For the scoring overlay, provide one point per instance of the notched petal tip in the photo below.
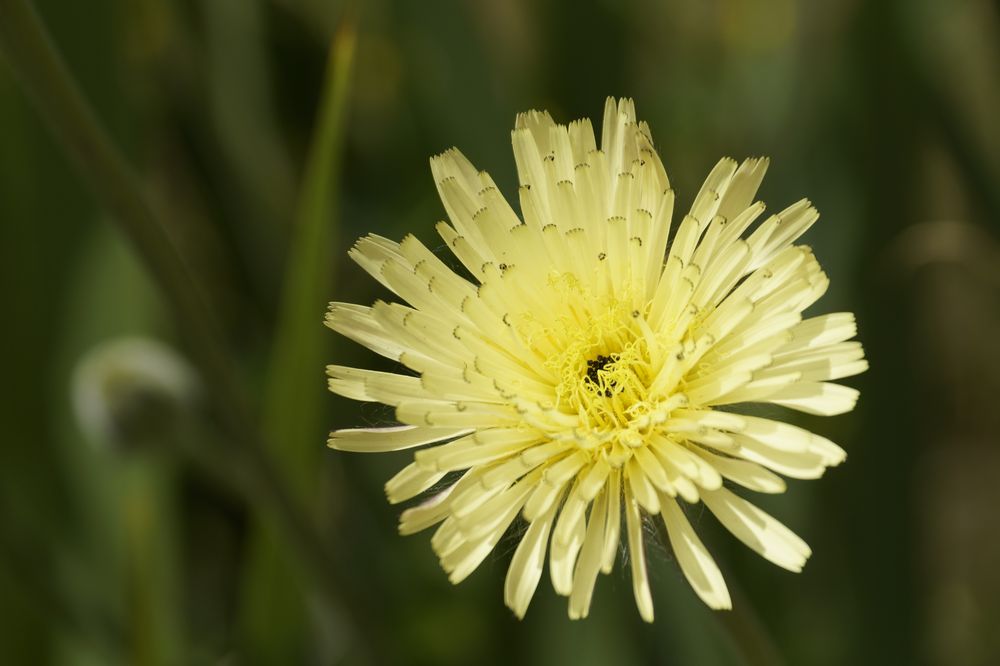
(444, 154)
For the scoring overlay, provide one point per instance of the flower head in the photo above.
(585, 367)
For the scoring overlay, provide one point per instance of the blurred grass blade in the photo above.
(274, 623)
(44, 76)
(295, 395)
(25, 43)
(241, 103)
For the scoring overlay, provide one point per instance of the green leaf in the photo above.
(296, 379)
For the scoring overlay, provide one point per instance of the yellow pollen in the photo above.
(604, 363)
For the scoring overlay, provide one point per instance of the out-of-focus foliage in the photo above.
(883, 113)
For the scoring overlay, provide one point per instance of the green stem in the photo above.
(968, 153)
(33, 58)
(747, 632)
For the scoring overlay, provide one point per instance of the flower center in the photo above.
(607, 387)
(605, 371)
(606, 361)
(598, 376)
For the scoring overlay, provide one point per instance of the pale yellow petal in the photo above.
(745, 473)
(526, 566)
(612, 524)
(589, 563)
(392, 438)
(637, 557)
(758, 530)
(698, 566)
(410, 482)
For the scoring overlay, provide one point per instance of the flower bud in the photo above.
(132, 393)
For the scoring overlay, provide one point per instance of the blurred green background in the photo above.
(143, 525)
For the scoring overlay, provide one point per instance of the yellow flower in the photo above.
(584, 366)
